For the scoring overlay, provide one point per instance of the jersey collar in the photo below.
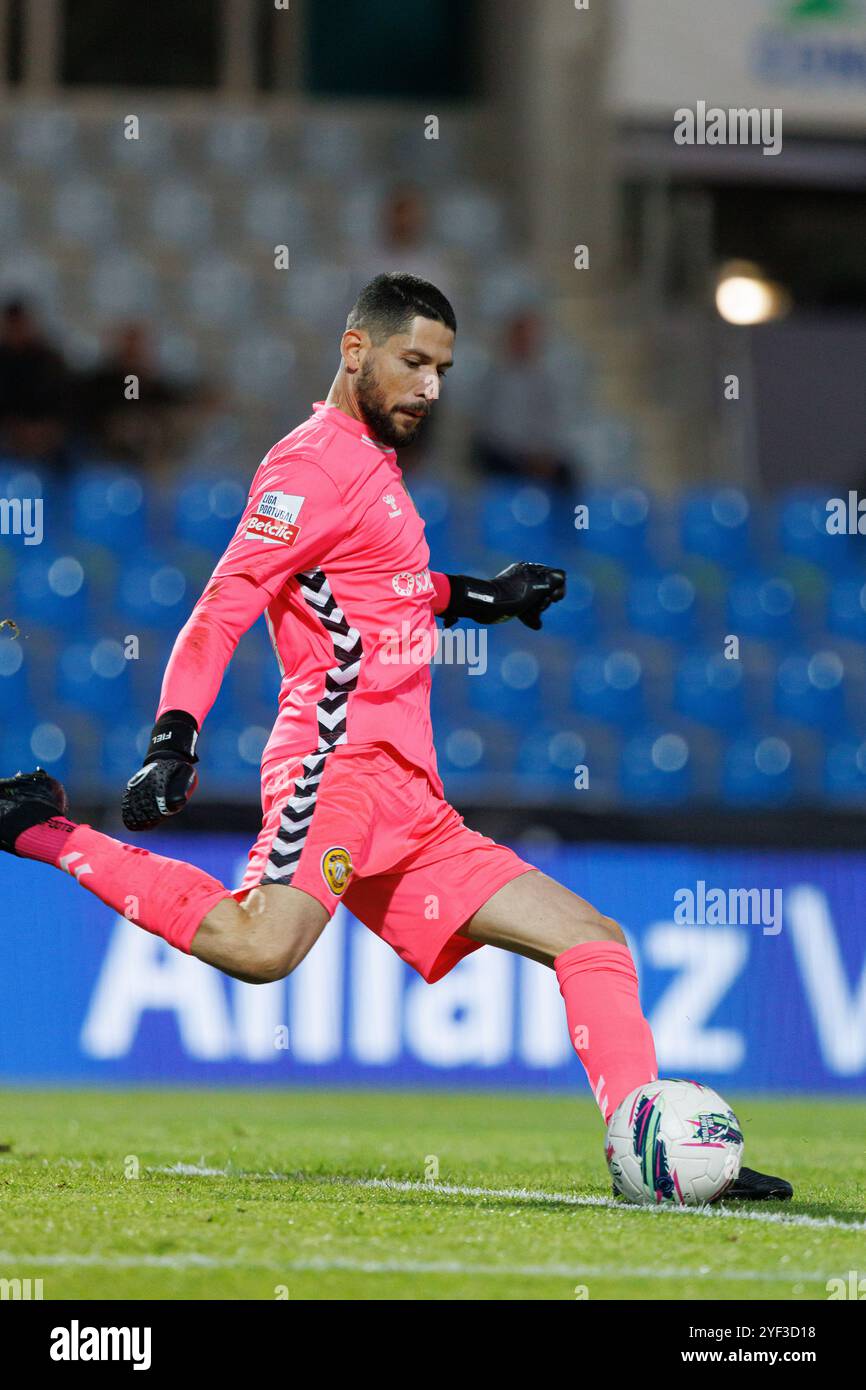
(349, 423)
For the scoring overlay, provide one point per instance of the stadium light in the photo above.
(744, 295)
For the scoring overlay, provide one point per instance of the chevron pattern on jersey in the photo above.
(332, 712)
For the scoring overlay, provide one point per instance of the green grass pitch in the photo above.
(334, 1195)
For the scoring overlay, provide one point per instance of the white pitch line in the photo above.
(522, 1194)
(191, 1260)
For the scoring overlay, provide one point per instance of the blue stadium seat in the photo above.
(51, 590)
(758, 771)
(234, 754)
(802, 531)
(810, 687)
(31, 743)
(152, 592)
(711, 690)
(470, 752)
(109, 507)
(122, 747)
(94, 678)
(207, 511)
(656, 768)
(509, 689)
(516, 520)
(845, 771)
(846, 608)
(547, 756)
(764, 606)
(14, 682)
(617, 524)
(664, 605)
(609, 685)
(581, 613)
(716, 524)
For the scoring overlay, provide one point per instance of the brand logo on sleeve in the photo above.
(274, 521)
(337, 868)
(405, 583)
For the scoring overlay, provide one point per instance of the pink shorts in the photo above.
(361, 825)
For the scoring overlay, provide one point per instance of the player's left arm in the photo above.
(523, 590)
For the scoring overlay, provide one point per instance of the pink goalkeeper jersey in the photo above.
(331, 549)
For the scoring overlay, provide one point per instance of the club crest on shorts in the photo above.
(337, 868)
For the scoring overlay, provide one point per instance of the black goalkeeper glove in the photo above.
(523, 591)
(168, 778)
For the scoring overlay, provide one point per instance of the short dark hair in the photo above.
(390, 302)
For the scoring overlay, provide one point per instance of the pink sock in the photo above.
(165, 896)
(609, 1033)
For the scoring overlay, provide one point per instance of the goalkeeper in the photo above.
(331, 549)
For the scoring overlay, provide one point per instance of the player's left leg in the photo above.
(538, 917)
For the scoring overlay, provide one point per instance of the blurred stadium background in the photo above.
(193, 194)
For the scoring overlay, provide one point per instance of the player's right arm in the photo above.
(293, 516)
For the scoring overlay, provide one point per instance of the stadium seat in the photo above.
(108, 507)
(802, 531)
(94, 678)
(152, 592)
(509, 689)
(207, 510)
(758, 771)
(181, 214)
(810, 687)
(261, 366)
(220, 290)
(122, 747)
(238, 143)
(123, 284)
(84, 212)
(10, 214)
(52, 590)
(14, 681)
(609, 685)
(147, 148)
(29, 743)
(516, 520)
(45, 138)
(764, 606)
(716, 524)
(846, 608)
(617, 524)
(711, 689)
(845, 771)
(656, 768)
(664, 605)
(274, 215)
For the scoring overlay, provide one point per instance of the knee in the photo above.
(266, 957)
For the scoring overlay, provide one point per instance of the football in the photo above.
(673, 1142)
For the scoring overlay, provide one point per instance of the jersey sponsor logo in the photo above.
(271, 532)
(337, 868)
(391, 503)
(274, 520)
(405, 583)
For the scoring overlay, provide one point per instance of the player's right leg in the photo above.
(257, 936)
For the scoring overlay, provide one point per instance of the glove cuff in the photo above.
(470, 598)
(174, 735)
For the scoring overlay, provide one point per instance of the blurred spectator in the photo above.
(34, 388)
(404, 241)
(521, 417)
(126, 406)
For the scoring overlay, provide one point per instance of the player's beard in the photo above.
(384, 424)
